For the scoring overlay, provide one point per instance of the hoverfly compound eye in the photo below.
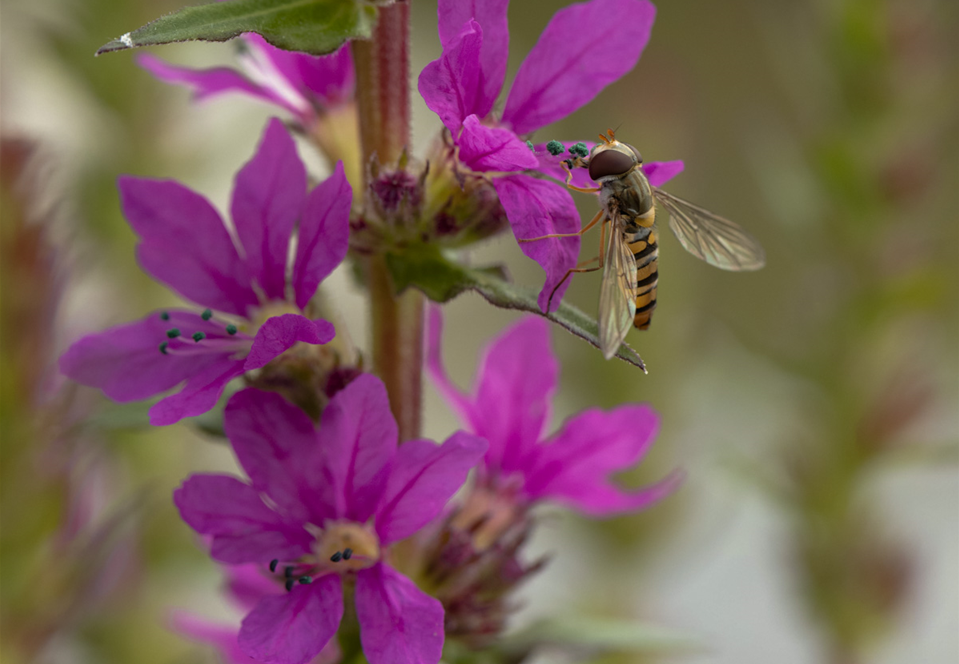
(610, 162)
(639, 157)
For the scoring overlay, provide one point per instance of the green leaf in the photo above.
(441, 279)
(313, 26)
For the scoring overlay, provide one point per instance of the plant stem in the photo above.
(383, 94)
(383, 85)
(397, 322)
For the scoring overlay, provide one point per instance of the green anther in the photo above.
(555, 148)
(231, 329)
(173, 333)
(163, 347)
(529, 144)
(305, 580)
(197, 336)
(206, 315)
(579, 150)
(164, 316)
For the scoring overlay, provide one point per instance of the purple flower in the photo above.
(185, 244)
(569, 65)
(510, 407)
(325, 503)
(305, 85)
(246, 586)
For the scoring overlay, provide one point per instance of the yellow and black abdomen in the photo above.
(643, 244)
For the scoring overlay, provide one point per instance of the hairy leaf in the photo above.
(312, 26)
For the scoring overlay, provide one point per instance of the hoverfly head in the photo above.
(612, 160)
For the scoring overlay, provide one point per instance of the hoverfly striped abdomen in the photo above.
(630, 196)
(641, 239)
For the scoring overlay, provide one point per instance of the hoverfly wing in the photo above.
(616, 304)
(708, 236)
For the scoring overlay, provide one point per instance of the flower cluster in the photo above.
(510, 407)
(339, 495)
(341, 533)
(260, 313)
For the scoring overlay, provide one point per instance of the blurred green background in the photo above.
(813, 404)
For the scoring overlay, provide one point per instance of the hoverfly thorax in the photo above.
(617, 167)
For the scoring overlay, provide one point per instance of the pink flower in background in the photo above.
(510, 406)
(302, 84)
(569, 65)
(186, 245)
(324, 503)
(246, 586)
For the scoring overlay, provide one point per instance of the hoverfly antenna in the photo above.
(604, 139)
(612, 134)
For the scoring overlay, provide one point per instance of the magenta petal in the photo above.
(279, 333)
(512, 403)
(221, 637)
(358, 438)
(452, 86)
(535, 208)
(246, 584)
(185, 244)
(126, 363)
(207, 83)
(572, 60)
(244, 529)
(574, 468)
(458, 401)
(267, 199)
(485, 148)
(294, 627)
(324, 234)
(660, 172)
(200, 394)
(399, 623)
(605, 499)
(494, 51)
(626, 433)
(329, 79)
(424, 477)
(276, 444)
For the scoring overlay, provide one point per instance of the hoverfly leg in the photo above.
(579, 266)
(569, 181)
(577, 269)
(599, 215)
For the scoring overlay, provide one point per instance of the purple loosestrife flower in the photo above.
(185, 244)
(510, 407)
(246, 585)
(567, 68)
(325, 503)
(302, 84)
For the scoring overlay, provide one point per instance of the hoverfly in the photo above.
(630, 250)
